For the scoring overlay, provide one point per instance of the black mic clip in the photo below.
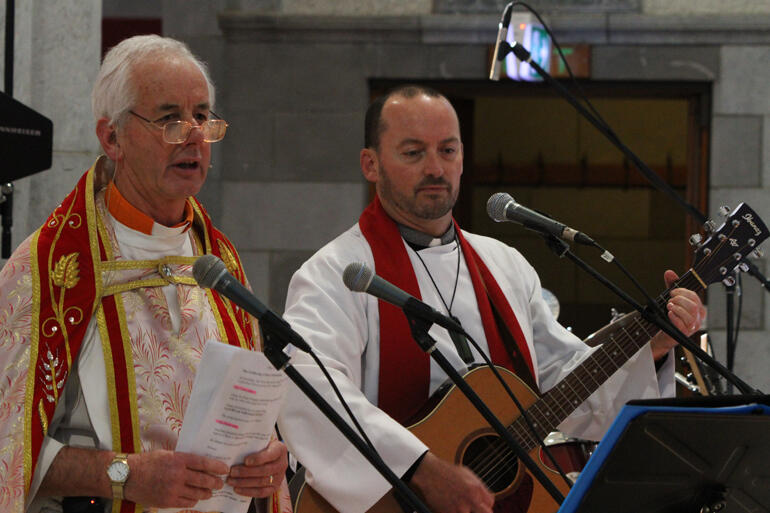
(555, 244)
(419, 328)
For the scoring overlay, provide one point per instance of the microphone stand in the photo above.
(419, 328)
(524, 56)
(729, 326)
(650, 314)
(273, 350)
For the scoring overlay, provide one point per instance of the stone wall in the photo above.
(56, 59)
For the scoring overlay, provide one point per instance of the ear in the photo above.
(370, 166)
(108, 137)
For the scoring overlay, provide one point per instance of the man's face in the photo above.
(419, 162)
(153, 175)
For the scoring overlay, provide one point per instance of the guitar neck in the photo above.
(619, 342)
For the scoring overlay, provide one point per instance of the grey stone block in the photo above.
(134, 9)
(248, 148)
(465, 6)
(318, 147)
(256, 265)
(765, 155)
(751, 356)
(294, 78)
(289, 216)
(283, 264)
(458, 61)
(742, 87)
(403, 61)
(192, 17)
(621, 62)
(713, 29)
(736, 151)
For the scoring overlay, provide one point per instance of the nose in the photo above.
(196, 134)
(433, 164)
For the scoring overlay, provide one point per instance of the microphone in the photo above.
(502, 32)
(359, 278)
(502, 207)
(210, 273)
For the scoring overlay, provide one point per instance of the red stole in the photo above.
(66, 257)
(404, 377)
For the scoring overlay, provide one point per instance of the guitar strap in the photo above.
(404, 377)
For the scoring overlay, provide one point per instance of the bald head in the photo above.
(374, 125)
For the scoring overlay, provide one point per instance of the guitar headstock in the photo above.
(730, 244)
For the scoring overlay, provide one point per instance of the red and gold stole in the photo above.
(68, 255)
(404, 368)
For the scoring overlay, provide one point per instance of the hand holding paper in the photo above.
(232, 410)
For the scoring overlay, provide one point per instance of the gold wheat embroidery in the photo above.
(66, 272)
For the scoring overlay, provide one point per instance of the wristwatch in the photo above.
(118, 472)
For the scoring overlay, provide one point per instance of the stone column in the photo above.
(57, 55)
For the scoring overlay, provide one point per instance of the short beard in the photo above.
(429, 210)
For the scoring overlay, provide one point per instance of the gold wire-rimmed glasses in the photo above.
(177, 132)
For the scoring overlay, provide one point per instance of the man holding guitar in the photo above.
(414, 155)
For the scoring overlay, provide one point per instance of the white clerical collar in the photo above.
(419, 240)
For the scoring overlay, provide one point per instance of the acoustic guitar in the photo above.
(455, 431)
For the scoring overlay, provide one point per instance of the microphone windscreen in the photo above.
(207, 270)
(496, 205)
(357, 276)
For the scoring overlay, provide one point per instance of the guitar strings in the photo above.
(497, 456)
(492, 466)
(503, 461)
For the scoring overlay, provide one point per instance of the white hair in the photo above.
(114, 92)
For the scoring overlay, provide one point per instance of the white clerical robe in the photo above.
(343, 328)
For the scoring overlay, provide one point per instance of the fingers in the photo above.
(170, 479)
(275, 450)
(203, 464)
(262, 472)
(685, 310)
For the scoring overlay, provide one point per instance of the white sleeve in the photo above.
(48, 451)
(334, 321)
(559, 352)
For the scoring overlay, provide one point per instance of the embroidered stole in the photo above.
(404, 378)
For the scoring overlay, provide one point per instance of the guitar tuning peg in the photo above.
(724, 210)
(695, 239)
(729, 281)
(710, 226)
(757, 253)
(744, 267)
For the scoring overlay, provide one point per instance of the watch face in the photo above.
(118, 471)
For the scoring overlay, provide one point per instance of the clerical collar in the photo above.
(130, 216)
(419, 240)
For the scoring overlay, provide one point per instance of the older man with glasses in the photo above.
(101, 323)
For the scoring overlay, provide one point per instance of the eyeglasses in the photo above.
(177, 132)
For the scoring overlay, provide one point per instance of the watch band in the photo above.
(117, 486)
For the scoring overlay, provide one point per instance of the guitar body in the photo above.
(456, 432)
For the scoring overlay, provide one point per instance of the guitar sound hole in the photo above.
(492, 461)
